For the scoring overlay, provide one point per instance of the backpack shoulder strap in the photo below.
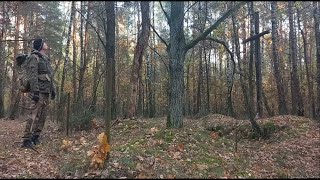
(38, 55)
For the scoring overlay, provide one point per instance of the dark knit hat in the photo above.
(38, 44)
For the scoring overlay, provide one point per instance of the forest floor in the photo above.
(144, 148)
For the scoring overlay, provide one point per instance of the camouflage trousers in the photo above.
(36, 114)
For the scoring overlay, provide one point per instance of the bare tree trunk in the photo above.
(297, 101)
(307, 61)
(316, 16)
(254, 124)
(62, 99)
(82, 60)
(110, 58)
(96, 79)
(15, 94)
(199, 102)
(250, 90)
(2, 63)
(266, 104)
(282, 105)
(177, 51)
(258, 67)
(74, 60)
(137, 59)
(152, 100)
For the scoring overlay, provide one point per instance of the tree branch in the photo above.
(159, 36)
(159, 56)
(16, 40)
(227, 48)
(165, 13)
(93, 27)
(190, 7)
(203, 35)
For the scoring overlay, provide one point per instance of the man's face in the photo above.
(45, 46)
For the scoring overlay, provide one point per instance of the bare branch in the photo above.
(227, 48)
(165, 13)
(16, 40)
(93, 27)
(203, 35)
(159, 56)
(159, 36)
(190, 7)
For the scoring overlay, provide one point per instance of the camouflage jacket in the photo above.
(40, 73)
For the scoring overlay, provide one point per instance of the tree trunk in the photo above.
(177, 54)
(82, 60)
(199, 96)
(177, 50)
(241, 61)
(297, 101)
(307, 61)
(316, 15)
(245, 92)
(67, 48)
(137, 59)
(258, 67)
(15, 93)
(96, 79)
(282, 105)
(266, 104)
(250, 90)
(2, 64)
(110, 58)
(74, 61)
(62, 96)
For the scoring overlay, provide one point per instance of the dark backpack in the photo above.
(23, 79)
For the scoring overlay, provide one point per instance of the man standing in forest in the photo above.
(41, 87)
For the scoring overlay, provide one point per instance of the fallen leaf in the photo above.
(180, 147)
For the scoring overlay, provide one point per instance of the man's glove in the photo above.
(35, 96)
(53, 94)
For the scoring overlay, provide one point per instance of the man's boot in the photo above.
(27, 143)
(35, 139)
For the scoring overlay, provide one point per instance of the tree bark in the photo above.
(316, 16)
(258, 67)
(282, 105)
(74, 61)
(15, 93)
(2, 64)
(297, 101)
(250, 90)
(110, 58)
(245, 91)
(307, 61)
(62, 96)
(142, 43)
(177, 50)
